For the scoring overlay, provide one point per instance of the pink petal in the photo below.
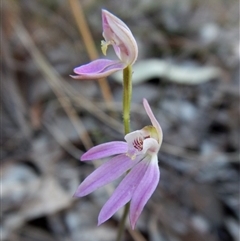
(106, 173)
(123, 193)
(98, 68)
(153, 120)
(105, 150)
(144, 190)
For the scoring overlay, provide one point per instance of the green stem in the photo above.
(122, 222)
(127, 96)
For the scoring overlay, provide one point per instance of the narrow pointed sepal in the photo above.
(105, 150)
(96, 69)
(144, 190)
(124, 192)
(153, 120)
(105, 174)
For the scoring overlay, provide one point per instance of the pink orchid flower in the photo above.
(138, 157)
(117, 34)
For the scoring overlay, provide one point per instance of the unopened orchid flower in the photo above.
(117, 34)
(138, 158)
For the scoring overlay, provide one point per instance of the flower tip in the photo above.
(76, 194)
(145, 102)
(133, 223)
(104, 15)
(106, 12)
(80, 192)
(84, 157)
(133, 226)
(75, 76)
(147, 106)
(100, 220)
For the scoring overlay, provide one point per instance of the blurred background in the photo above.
(188, 69)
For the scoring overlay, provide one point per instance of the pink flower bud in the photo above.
(117, 34)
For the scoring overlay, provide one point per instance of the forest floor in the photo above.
(188, 69)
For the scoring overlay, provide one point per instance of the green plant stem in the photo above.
(127, 96)
(122, 222)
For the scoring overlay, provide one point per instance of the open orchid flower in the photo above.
(117, 34)
(138, 156)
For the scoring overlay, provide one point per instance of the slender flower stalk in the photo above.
(127, 96)
(117, 34)
(138, 157)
